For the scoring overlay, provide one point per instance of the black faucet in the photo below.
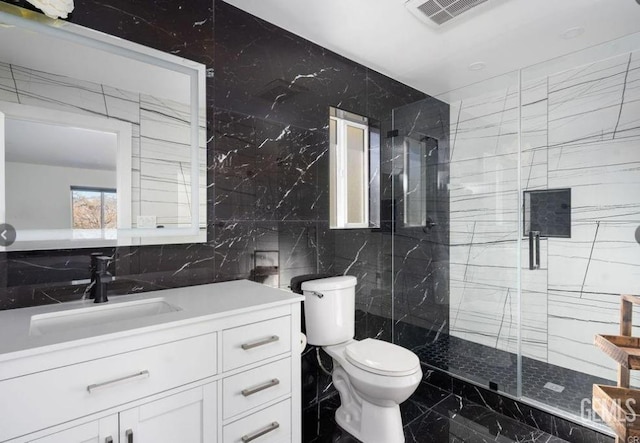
(100, 278)
(93, 268)
(94, 264)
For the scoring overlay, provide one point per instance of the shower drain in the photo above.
(553, 387)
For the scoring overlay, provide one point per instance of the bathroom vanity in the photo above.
(210, 363)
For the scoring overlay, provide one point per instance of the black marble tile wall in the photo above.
(421, 252)
(267, 151)
(267, 112)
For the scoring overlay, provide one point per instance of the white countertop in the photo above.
(196, 303)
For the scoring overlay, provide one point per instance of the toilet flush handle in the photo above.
(317, 294)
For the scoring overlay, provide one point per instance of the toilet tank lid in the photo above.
(329, 284)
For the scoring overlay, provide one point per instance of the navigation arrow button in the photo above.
(7, 234)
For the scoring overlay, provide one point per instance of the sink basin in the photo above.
(98, 315)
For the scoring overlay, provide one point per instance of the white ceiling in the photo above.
(505, 35)
(53, 145)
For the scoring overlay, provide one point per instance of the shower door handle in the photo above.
(534, 250)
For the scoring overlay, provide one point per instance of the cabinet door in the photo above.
(99, 431)
(187, 417)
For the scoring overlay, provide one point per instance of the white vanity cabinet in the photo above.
(223, 367)
(188, 416)
(97, 431)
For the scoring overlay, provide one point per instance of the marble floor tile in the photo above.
(433, 416)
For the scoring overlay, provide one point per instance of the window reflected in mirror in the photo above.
(93, 208)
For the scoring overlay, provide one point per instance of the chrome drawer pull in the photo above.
(262, 342)
(250, 437)
(129, 435)
(98, 386)
(250, 391)
(109, 439)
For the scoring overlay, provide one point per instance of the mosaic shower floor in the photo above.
(551, 385)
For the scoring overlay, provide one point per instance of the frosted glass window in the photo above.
(349, 170)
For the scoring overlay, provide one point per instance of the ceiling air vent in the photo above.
(438, 12)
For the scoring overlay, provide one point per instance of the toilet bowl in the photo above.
(371, 376)
(371, 390)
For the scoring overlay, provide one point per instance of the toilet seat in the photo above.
(382, 358)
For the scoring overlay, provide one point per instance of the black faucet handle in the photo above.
(102, 263)
(94, 261)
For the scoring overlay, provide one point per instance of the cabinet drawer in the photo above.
(255, 387)
(251, 343)
(273, 423)
(47, 398)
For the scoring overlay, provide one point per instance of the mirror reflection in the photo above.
(104, 140)
(80, 189)
(415, 179)
(61, 176)
(414, 183)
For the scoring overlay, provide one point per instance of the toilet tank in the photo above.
(329, 310)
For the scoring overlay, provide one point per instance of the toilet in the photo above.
(372, 376)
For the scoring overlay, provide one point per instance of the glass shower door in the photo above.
(472, 318)
(580, 180)
(484, 302)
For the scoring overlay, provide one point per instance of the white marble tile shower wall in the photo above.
(165, 160)
(580, 130)
(594, 131)
(160, 145)
(534, 176)
(484, 219)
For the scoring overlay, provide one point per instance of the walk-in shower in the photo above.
(534, 183)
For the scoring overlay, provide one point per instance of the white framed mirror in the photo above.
(104, 140)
